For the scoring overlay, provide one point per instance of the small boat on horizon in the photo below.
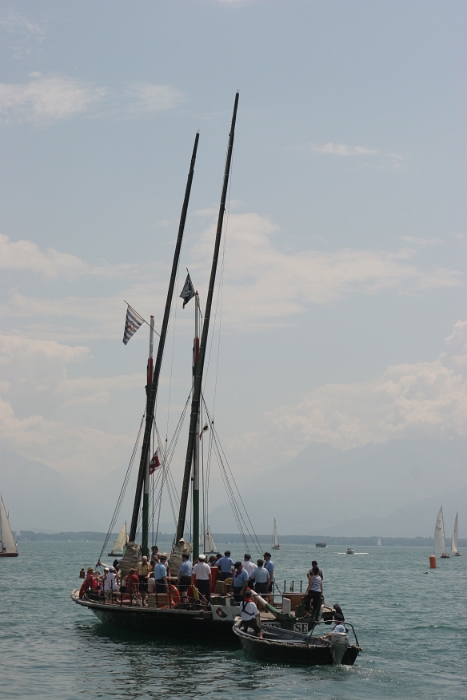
(275, 539)
(320, 544)
(455, 538)
(349, 550)
(8, 546)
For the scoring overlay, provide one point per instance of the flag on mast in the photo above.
(132, 322)
(155, 462)
(188, 291)
(206, 427)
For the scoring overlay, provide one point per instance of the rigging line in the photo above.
(174, 304)
(220, 287)
(221, 451)
(122, 490)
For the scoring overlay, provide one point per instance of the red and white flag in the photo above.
(155, 462)
(206, 427)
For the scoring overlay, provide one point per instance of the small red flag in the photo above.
(155, 462)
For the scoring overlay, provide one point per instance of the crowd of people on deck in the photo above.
(155, 576)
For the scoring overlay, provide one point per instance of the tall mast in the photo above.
(196, 399)
(145, 523)
(196, 443)
(151, 389)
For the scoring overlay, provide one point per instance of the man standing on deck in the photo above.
(160, 574)
(261, 578)
(143, 569)
(202, 572)
(184, 575)
(249, 567)
(269, 565)
(225, 566)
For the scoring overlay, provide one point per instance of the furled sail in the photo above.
(120, 543)
(440, 540)
(455, 536)
(209, 544)
(7, 541)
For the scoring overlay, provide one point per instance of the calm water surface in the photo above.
(411, 625)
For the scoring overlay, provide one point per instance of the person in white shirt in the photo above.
(338, 627)
(202, 572)
(249, 612)
(248, 565)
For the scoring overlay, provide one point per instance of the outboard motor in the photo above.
(339, 643)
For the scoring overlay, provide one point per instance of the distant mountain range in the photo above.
(389, 490)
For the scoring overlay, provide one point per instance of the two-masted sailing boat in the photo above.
(187, 621)
(439, 544)
(8, 546)
(275, 539)
(455, 538)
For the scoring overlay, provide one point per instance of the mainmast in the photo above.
(196, 399)
(151, 389)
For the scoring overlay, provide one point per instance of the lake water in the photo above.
(412, 627)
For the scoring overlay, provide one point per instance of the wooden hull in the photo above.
(189, 625)
(8, 554)
(317, 654)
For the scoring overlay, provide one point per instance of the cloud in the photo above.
(340, 149)
(263, 283)
(146, 98)
(46, 99)
(26, 255)
(24, 34)
(426, 398)
(420, 241)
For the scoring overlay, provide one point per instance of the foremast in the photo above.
(151, 388)
(198, 375)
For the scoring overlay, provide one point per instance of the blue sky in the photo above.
(344, 267)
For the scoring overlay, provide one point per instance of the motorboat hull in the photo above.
(8, 554)
(315, 653)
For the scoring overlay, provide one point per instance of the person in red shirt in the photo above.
(132, 583)
(90, 583)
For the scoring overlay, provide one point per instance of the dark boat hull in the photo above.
(189, 625)
(8, 554)
(317, 653)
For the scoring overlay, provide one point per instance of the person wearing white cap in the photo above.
(110, 581)
(202, 573)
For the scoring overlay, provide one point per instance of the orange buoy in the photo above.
(432, 561)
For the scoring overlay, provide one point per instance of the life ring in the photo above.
(174, 595)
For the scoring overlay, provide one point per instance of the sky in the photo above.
(340, 317)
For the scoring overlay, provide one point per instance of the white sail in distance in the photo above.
(209, 544)
(7, 541)
(120, 542)
(455, 536)
(379, 542)
(439, 538)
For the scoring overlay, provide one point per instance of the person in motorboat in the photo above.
(249, 614)
(225, 566)
(184, 575)
(269, 565)
(338, 627)
(202, 572)
(240, 581)
(314, 591)
(160, 574)
(261, 578)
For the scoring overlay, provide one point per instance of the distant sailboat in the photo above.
(455, 537)
(439, 538)
(275, 539)
(8, 546)
(209, 544)
(120, 543)
(379, 542)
